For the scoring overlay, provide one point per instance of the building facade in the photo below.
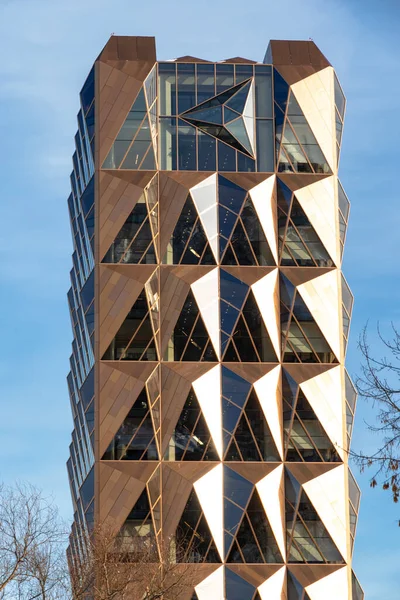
(210, 399)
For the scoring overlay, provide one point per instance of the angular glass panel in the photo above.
(128, 131)
(191, 439)
(134, 242)
(308, 538)
(340, 100)
(138, 524)
(281, 91)
(230, 195)
(193, 535)
(232, 516)
(135, 439)
(208, 115)
(238, 101)
(190, 340)
(237, 588)
(351, 393)
(232, 290)
(188, 244)
(236, 488)
(134, 340)
(316, 158)
(230, 115)
(357, 591)
(87, 92)
(301, 337)
(347, 296)
(344, 203)
(299, 240)
(305, 438)
(238, 129)
(354, 491)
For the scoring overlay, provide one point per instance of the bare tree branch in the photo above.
(380, 383)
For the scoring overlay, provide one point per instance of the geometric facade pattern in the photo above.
(212, 407)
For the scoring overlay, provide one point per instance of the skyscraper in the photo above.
(210, 400)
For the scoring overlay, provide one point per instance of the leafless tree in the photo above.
(134, 568)
(111, 566)
(30, 539)
(380, 383)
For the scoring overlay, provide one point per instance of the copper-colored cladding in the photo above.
(123, 65)
(121, 70)
(296, 60)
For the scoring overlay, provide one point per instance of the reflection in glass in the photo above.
(167, 88)
(186, 86)
(191, 439)
(135, 439)
(135, 339)
(193, 536)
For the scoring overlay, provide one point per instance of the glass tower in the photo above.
(210, 400)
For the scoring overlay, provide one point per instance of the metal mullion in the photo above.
(311, 536)
(305, 337)
(134, 237)
(251, 337)
(310, 438)
(191, 435)
(152, 440)
(148, 345)
(255, 536)
(248, 241)
(189, 238)
(283, 150)
(190, 335)
(235, 347)
(145, 252)
(299, 143)
(194, 530)
(145, 154)
(303, 242)
(252, 434)
(133, 139)
(136, 330)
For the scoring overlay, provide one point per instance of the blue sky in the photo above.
(47, 48)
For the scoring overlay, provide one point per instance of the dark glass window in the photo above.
(243, 72)
(135, 439)
(265, 145)
(263, 80)
(186, 146)
(205, 82)
(226, 157)
(186, 86)
(224, 77)
(206, 152)
(87, 93)
(87, 489)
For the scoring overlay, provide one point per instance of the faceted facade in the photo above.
(211, 404)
